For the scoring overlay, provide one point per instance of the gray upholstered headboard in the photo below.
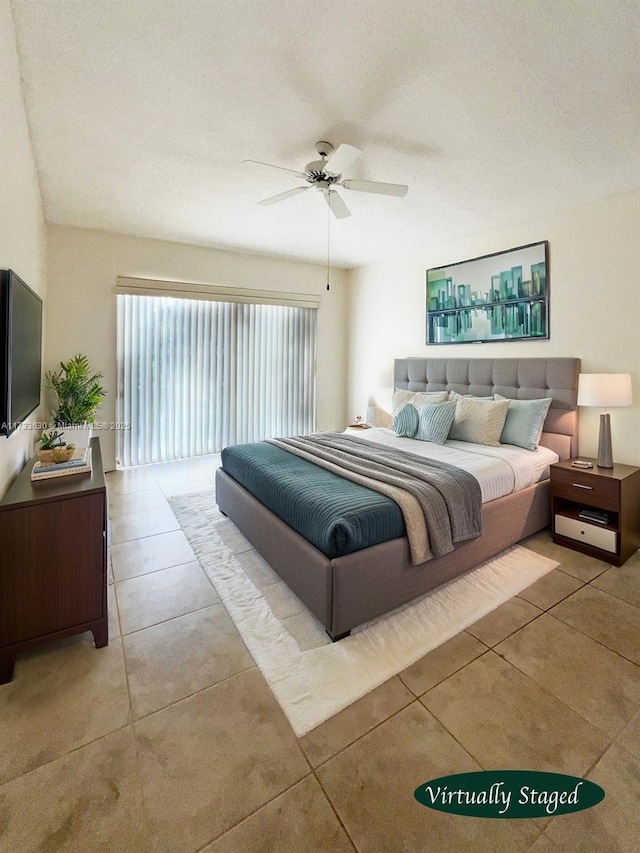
(516, 378)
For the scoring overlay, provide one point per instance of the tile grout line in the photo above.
(335, 812)
(599, 642)
(264, 805)
(453, 672)
(363, 735)
(538, 687)
(549, 692)
(195, 693)
(65, 754)
(614, 595)
(170, 618)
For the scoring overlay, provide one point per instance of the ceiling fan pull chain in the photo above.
(328, 238)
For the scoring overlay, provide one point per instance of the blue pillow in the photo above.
(435, 421)
(406, 421)
(524, 422)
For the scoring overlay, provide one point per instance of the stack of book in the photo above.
(589, 514)
(80, 463)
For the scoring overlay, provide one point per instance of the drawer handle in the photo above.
(580, 486)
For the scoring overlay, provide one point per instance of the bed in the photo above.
(346, 591)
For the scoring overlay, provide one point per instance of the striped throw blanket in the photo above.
(441, 504)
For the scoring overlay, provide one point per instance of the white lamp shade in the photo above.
(604, 389)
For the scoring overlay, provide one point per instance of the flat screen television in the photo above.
(20, 351)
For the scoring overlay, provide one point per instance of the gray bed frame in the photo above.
(347, 591)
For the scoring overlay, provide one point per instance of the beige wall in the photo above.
(82, 270)
(22, 230)
(594, 274)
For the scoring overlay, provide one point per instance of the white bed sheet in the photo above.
(499, 470)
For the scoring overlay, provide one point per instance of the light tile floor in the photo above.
(169, 739)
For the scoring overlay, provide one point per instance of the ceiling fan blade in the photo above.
(342, 158)
(399, 190)
(337, 204)
(274, 199)
(271, 166)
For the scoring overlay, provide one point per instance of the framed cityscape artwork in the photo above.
(499, 297)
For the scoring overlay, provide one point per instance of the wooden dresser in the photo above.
(53, 560)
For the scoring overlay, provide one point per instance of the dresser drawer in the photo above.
(586, 488)
(591, 534)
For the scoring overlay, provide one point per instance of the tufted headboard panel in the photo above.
(515, 378)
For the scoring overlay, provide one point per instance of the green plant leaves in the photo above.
(49, 440)
(78, 391)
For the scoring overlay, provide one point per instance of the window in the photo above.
(195, 375)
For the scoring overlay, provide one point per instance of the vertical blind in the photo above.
(195, 376)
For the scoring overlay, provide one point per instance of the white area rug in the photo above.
(311, 677)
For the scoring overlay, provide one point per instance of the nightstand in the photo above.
(613, 491)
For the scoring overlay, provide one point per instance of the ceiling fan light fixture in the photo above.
(326, 175)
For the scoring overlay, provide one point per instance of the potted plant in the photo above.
(53, 449)
(79, 395)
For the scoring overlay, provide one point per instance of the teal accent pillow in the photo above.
(524, 422)
(406, 421)
(435, 421)
(416, 398)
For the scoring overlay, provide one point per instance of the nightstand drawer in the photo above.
(586, 488)
(591, 534)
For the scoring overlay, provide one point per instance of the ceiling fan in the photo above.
(326, 174)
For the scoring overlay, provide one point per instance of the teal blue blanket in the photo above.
(334, 514)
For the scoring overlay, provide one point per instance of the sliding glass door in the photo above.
(195, 376)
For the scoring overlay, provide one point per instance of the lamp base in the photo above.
(605, 453)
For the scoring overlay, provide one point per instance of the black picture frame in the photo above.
(499, 297)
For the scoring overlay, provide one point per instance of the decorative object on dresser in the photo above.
(79, 462)
(604, 390)
(79, 395)
(596, 511)
(498, 297)
(53, 449)
(53, 561)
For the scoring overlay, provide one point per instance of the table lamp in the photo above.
(604, 390)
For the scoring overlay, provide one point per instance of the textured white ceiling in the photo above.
(493, 111)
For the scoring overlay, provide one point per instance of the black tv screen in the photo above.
(20, 351)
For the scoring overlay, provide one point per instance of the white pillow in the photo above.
(416, 398)
(479, 421)
(379, 417)
(453, 395)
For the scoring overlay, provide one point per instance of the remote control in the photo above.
(580, 463)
